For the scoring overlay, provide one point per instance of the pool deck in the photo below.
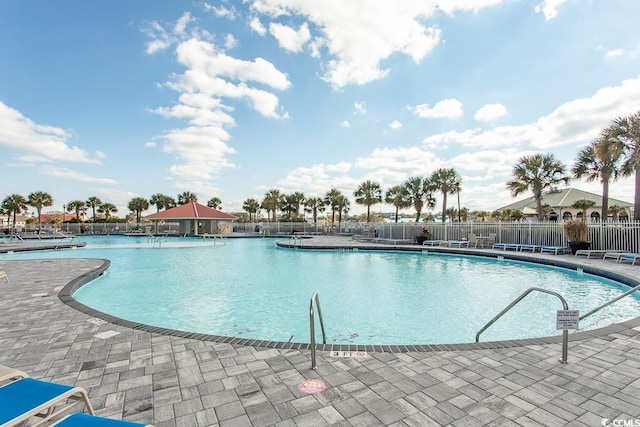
(152, 377)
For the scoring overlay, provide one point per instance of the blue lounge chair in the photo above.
(556, 249)
(10, 374)
(619, 257)
(85, 420)
(26, 398)
(505, 246)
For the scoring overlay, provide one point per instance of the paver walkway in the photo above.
(172, 381)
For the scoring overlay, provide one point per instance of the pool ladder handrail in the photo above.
(565, 332)
(608, 303)
(312, 327)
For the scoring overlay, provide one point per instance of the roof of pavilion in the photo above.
(191, 210)
(563, 199)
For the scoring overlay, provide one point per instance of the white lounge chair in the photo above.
(3, 275)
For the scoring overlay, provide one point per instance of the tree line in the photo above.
(613, 154)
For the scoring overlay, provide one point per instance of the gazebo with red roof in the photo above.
(196, 219)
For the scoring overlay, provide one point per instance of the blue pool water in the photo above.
(250, 288)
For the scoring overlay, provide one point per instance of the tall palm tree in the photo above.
(187, 197)
(93, 202)
(215, 203)
(537, 173)
(332, 199)
(273, 200)
(289, 207)
(627, 130)
(137, 205)
(419, 192)
(367, 194)
(251, 206)
(77, 206)
(342, 206)
(447, 181)
(13, 205)
(162, 201)
(297, 200)
(398, 197)
(107, 209)
(39, 199)
(601, 160)
(314, 205)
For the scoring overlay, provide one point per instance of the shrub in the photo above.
(575, 230)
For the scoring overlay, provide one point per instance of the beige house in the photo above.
(196, 219)
(560, 202)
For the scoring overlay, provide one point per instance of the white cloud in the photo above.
(549, 8)
(360, 108)
(230, 42)
(34, 142)
(221, 11)
(201, 149)
(257, 26)
(161, 39)
(447, 108)
(614, 52)
(490, 112)
(395, 125)
(73, 175)
(289, 38)
(575, 121)
(345, 124)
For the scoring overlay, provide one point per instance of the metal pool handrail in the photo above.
(565, 332)
(315, 299)
(619, 297)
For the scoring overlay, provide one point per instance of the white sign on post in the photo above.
(567, 319)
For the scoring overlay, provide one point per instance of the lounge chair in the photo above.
(620, 256)
(434, 242)
(10, 374)
(531, 248)
(592, 253)
(505, 246)
(85, 420)
(458, 243)
(26, 398)
(555, 249)
(3, 275)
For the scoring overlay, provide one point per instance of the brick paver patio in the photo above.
(175, 381)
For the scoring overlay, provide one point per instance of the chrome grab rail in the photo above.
(315, 299)
(606, 304)
(565, 333)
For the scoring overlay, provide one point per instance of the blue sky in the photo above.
(120, 99)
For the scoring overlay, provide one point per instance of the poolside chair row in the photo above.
(28, 400)
(618, 256)
(447, 243)
(533, 248)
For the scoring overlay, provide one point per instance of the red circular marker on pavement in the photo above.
(311, 386)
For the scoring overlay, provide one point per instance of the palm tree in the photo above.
(93, 202)
(289, 207)
(273, 200)
(313, 206)
(162, 201)
(627, 130)
(398, 197)
(186, 197)
(481, 215)
(419, 193)
(107, 209)
(297, 201)
(13, 205)
(39, 199)
(367, 194)
(251, 206)
(215, 203)
(332, 199)
(137, 205)
(601, 160)
(537, 173)
(77, 206)
(447, 181)
(342, 206)
(583, 205)
(615, 211)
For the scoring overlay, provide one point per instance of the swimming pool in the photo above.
(250, 288)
